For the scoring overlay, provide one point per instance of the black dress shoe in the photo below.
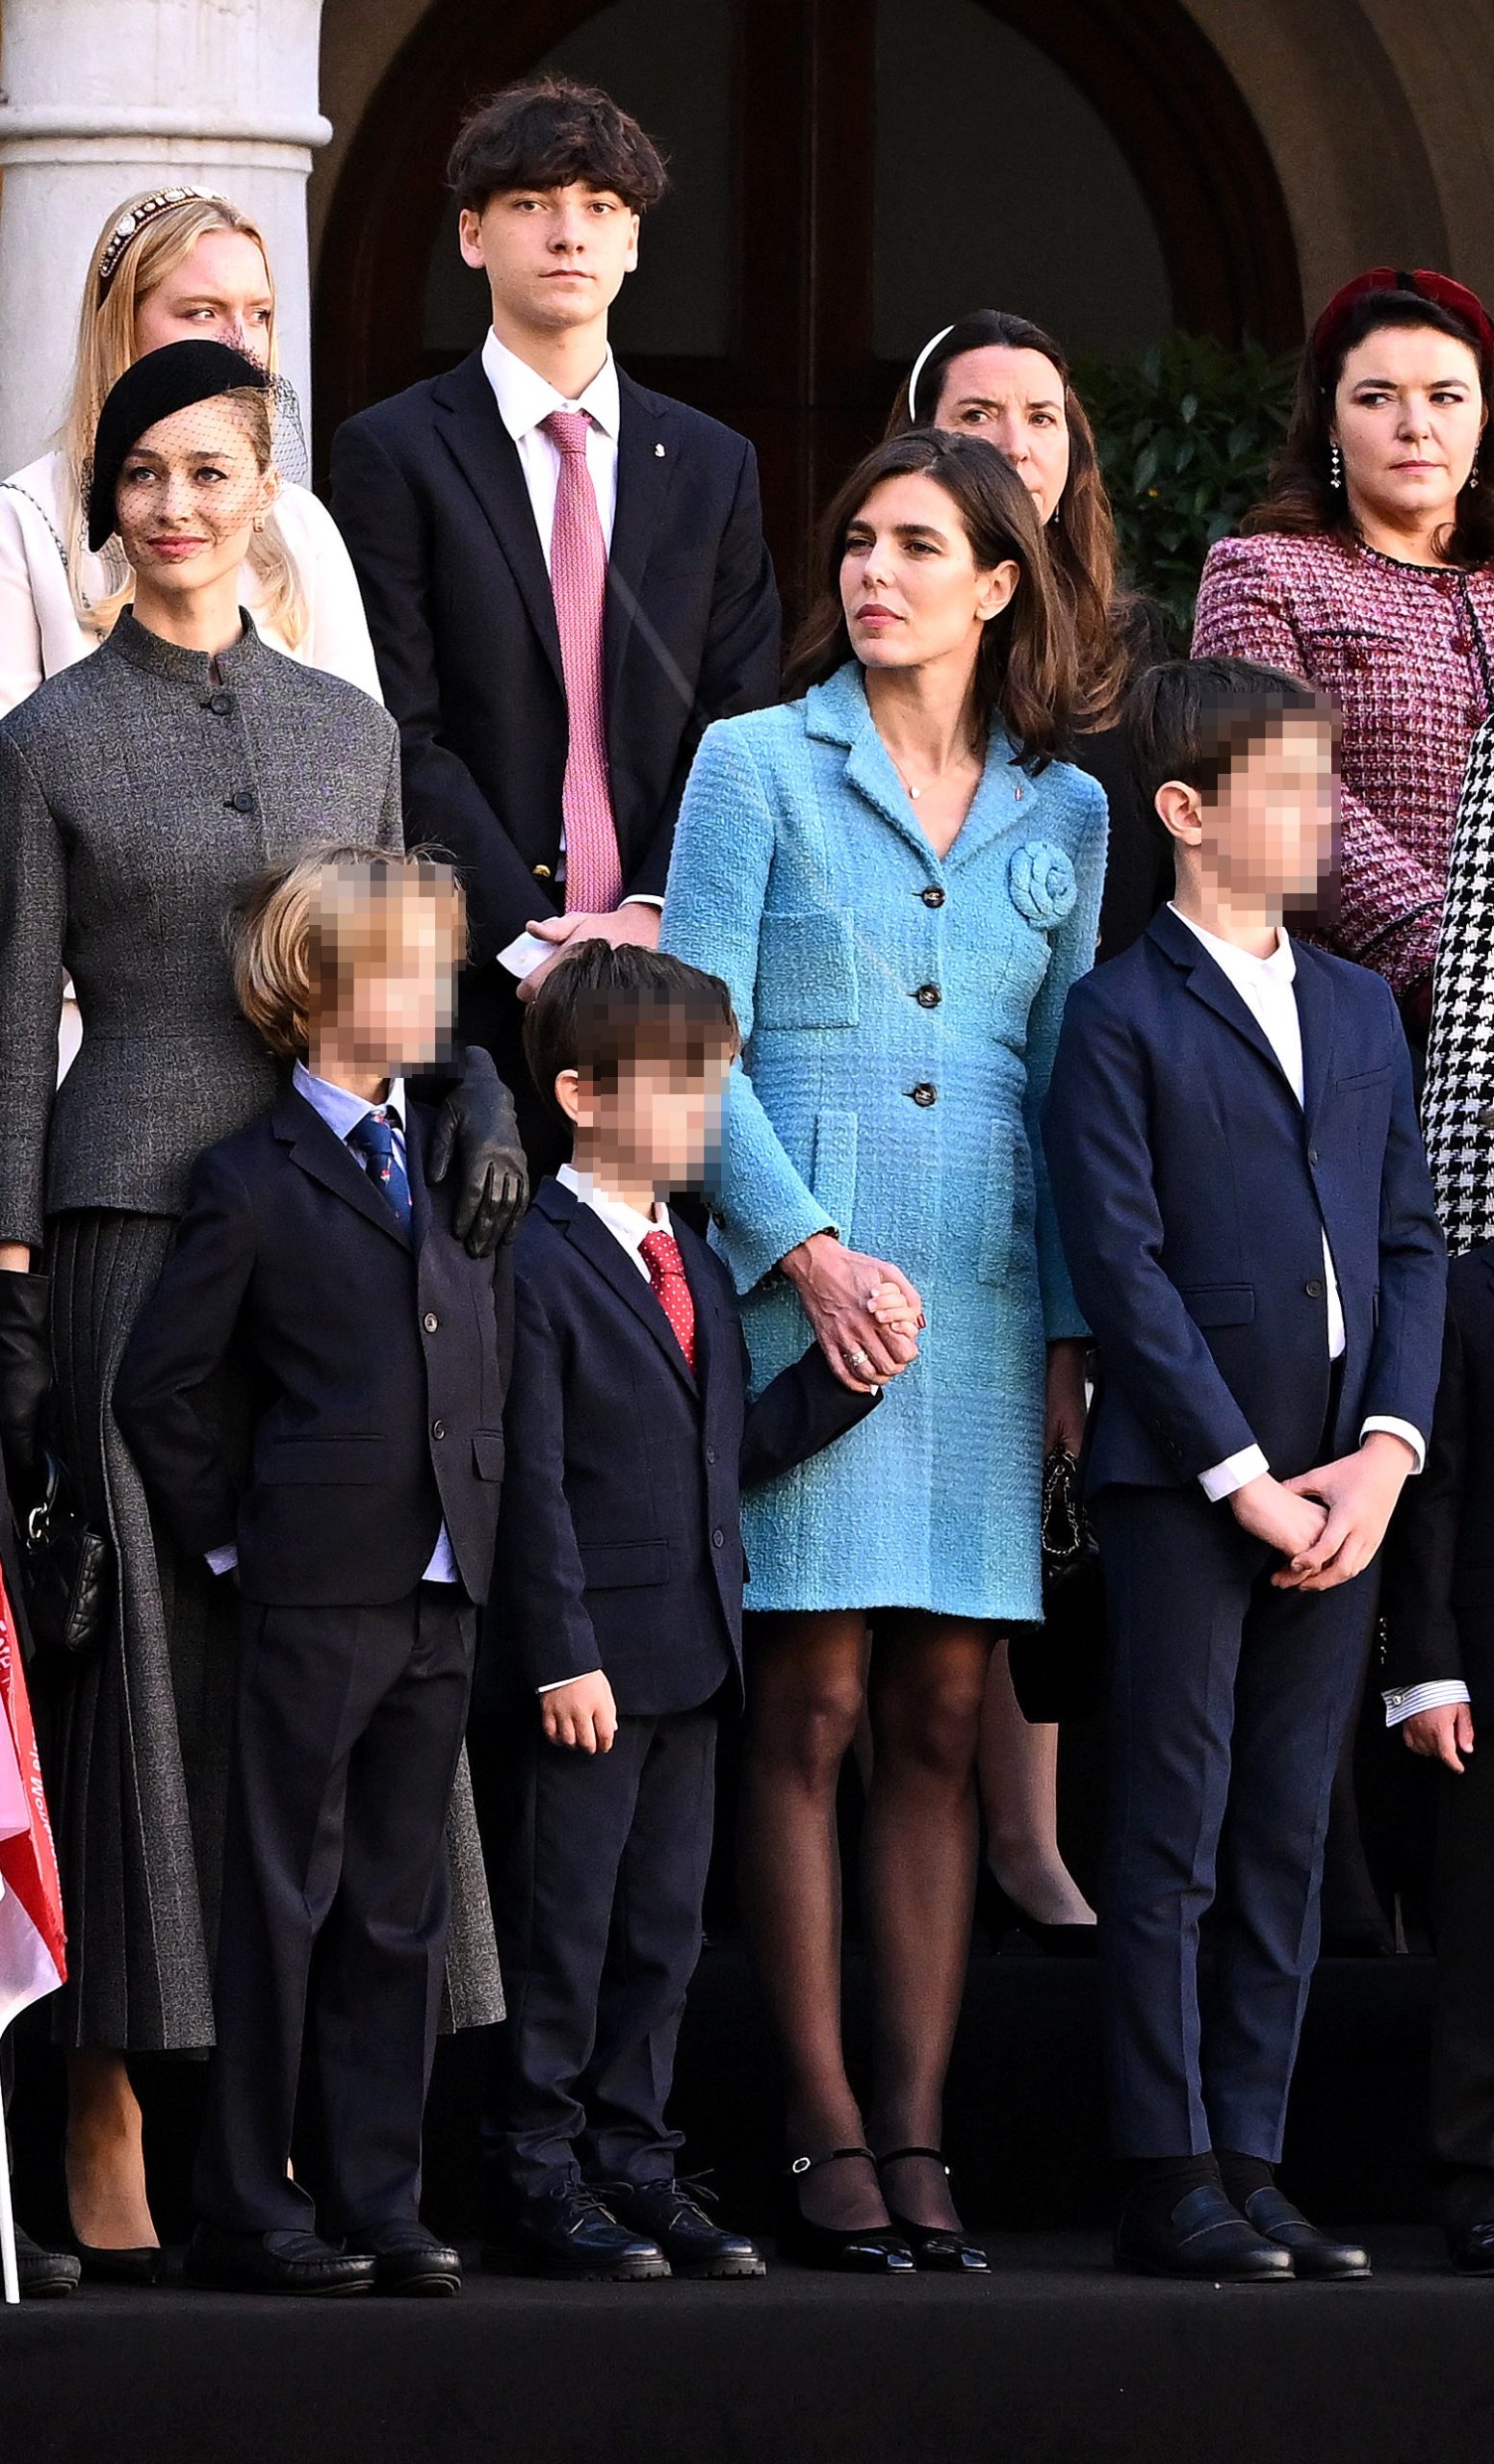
(119, 2267)
(673, 2214)
(863, 2249)
(293, 2261)
(941, 2249)
(572, 2233)
(408, 2259)
(1472, 2250)
(1313, 2253)
(1204, 2238)
(44, 2274)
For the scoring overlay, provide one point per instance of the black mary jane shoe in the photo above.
(941, 2249)
(867, 2249)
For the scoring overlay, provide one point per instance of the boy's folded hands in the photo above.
(1359, 1491)
(582, 1714)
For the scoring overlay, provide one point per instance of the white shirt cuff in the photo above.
(644, 898)
(1413, 1437)
(556, 1683)
(223, 1561)
(1403, 1703)
(1233, 1474)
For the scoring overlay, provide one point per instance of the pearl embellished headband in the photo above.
(147, 210)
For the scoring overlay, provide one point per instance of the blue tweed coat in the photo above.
(901, 1016)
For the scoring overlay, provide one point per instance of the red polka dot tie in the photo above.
(577, 582)
(660, 1254)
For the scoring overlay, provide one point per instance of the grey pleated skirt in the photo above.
(136, 1740)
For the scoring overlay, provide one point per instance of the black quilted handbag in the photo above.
(1057, 1667)
(67, 1572)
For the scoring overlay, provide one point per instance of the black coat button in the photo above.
(934, 896)
(222, 706)
(1314, 1290)
(430, 1322)
(928, 996)
(438, 1428)
(243, 802)
(924, 1096)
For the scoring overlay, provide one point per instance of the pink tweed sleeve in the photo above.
(1389, 905)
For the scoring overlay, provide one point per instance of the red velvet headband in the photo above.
(1437, 288)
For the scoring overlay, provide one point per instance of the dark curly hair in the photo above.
(1299, 498)
(548, 133)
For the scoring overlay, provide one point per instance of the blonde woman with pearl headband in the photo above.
(173, 264)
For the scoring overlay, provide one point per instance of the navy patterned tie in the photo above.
(373, 1142)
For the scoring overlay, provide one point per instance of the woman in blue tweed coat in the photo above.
(899, 884)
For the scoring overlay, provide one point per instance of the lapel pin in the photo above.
(658, 454)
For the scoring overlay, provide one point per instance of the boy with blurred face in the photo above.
(565, 574)
(1251, 1228)
(614, 1639)
(315, 1246)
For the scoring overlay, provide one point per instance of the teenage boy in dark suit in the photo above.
(1247, 1217)
(565, 574)
(315, 1247)
(613, 1637)
(1438, 1603)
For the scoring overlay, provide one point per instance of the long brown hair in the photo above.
(105, 349)
(1299, 498)
(1081, 544)
(1024, 670)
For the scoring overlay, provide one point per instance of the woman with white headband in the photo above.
(176, 265)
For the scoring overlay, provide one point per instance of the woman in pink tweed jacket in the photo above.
(1368, 570)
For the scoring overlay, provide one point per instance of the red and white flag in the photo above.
(32, 1943)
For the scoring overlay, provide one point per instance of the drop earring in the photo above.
(1473, 475)
(1335, 467)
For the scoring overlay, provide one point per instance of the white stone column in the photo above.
(103, 98)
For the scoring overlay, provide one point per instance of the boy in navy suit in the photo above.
(314, 1246)
(617, 1602)
(1247, 1217)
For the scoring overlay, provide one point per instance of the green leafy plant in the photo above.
(1185, 436)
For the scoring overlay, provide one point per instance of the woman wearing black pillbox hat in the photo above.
(138, 788)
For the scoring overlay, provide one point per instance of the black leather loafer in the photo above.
(44, 2274)
(1472, 2250)
(408, 2259)
(1313, 2253)
(572, 2233)
(219, 2262)
(1205, 2238)
(673, 2214)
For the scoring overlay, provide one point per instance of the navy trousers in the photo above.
(1229, 1704)
(348, 1728)
(598, 1873)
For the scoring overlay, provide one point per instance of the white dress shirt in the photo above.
(630, 1230)
(1267, 988)
(342, 1111)
(525, 401)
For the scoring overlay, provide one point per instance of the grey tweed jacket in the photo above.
(138, 790)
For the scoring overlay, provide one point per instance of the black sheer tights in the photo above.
(923, 1686)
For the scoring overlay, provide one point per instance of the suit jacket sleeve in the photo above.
(739, 664)
(1389, 905)
(1422, 1646)
(1072, 956)
(541, 1616)
(32, 922)
(1099, 1158)
(1402, 1372)
(802, 1410)
(182, 1335)
(712, 918)
(379, 514)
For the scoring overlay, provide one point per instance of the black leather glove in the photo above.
(476, 1125)
(25, 1370)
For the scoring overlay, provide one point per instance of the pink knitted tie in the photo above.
(577, 579)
